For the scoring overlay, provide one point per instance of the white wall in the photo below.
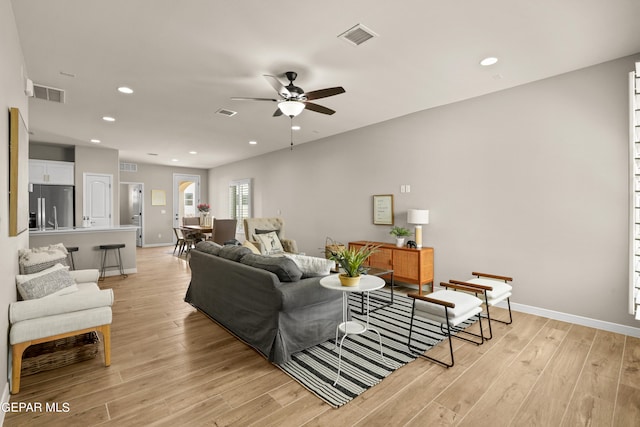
(11, 95)
(530, 182)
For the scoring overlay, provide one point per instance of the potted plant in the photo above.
(350, 261)
(400, 233)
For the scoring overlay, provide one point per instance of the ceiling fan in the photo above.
(294, 99)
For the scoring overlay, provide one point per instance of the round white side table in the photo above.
(353, 327)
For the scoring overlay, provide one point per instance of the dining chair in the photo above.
(224, 230)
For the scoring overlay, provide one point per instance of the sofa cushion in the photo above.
(269, 243)
(208, 247)
(233, 252)
(284, 268)
(52, 281)
(312, 266)
(37, 259)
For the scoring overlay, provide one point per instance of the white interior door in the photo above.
(180, 184)
(98, 196)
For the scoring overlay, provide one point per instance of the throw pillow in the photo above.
(269, 243)
(55, 280)
(37, 259)
(251, 246)
(277, 230)
(312, 266)
(284, 268)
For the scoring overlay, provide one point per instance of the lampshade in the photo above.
(291, 108)
(418, 216)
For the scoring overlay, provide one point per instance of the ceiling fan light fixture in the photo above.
(291, 108)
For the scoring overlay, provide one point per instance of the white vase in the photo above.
(399, 242)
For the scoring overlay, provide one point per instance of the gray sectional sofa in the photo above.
(264, 301)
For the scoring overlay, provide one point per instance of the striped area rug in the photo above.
(362, 368)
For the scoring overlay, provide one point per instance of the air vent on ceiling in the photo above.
(128, 167)
(225, 112)
(48, 93)
(357, 35)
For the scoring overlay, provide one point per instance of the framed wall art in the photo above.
(18, 173)
(383, 209)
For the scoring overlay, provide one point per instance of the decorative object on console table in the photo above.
(351, 262)
(400, 233)
(418, 217)
(413, 266)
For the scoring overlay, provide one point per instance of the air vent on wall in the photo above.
(128, 167)
(357, 35)
(225, 112)
(48, 93)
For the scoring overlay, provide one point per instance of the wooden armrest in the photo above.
(461, 287)
(493, 276)
(472, 285)
(432, 300)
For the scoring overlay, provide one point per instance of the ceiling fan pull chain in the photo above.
(291, 130)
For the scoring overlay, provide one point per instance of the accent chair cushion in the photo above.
(277, 231)
(269, 243)
(283, 267)
(52, 281)
(37, 259)
(466, 306)
(501, 289)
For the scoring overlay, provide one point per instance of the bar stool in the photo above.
(71, 250)
(105, 250)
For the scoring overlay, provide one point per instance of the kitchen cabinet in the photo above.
(51, 172)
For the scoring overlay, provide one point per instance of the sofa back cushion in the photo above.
(284, 268)
(233, 252)
(209, 247)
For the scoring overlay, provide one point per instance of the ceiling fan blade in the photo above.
(277, 85)
(318, 108)
(277, 113)
(236, 98)
(323, 93)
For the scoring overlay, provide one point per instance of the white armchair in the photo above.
(254, 226)
(57, 316)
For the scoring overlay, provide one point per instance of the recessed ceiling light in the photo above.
(193, 152)
(488, 61)
(124, 89)
(175, 160)
(295, 127)
(253, 142)
(96, 141)
(108, 119)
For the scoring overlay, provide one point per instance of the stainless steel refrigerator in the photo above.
(51, 206)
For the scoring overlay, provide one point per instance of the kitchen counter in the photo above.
(88, 241)
(73, 230)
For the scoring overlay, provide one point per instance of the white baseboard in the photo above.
(155, 245)
(565, 317)
(572, 318)
(6, 395)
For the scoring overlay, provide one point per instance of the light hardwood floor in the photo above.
(173, 366)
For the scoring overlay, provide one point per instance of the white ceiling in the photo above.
(185, 60)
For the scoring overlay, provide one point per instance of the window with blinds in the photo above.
(634, 138)
(240, 201)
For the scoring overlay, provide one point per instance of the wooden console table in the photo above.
(414, 266)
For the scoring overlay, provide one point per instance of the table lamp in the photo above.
(418, 217)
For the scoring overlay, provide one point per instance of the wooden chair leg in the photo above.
(16, 364)
(106, 337)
